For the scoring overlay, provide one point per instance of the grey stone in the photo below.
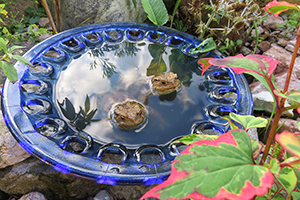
(282, 42)
(260, 30)
(252, 132)
(265, 101)
(33, 196)
(291, 45)
(44, 21)
(289, 125)
(103, 195)
(83, 12)
(271, 22)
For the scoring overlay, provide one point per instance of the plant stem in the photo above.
(271, 134)
(289, 163)
(289, 75)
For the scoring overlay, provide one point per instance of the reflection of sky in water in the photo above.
(80, 79)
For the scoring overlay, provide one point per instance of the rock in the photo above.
(264, 46)
(44, 21)
(289, 125)
(291, 45)
(34, 175)
(33, 196)
(282, 42)
(103, 195)
(271, 22)
(83, 12)
(252, 132)
(260, 30)
(10, 151)
(246, 51)
(265, 101)
(283, 56)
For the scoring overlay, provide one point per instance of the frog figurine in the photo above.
(129, 114)
(164, 84)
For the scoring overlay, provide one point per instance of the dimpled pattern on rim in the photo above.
(45, 135)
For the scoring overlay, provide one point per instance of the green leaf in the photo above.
(34, 20)
(3, 45)
(29, 10)
(287, 179)
(156, 10)
(15, 47)
(9, 70)
(274, 166)
(21, 59)
(296, 195)
(256, 148)
(189, 139)
(174, 11)
(205, 46)
(232, 125)
(91, 114)
(221, 169)
(292, 96)
(249, 121)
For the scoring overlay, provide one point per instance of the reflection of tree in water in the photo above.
(108, 68)
(183, 66)
(120, 50)
(126, 49)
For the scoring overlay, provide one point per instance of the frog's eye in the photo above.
(122, 117)
(139, 113)
(163, 82)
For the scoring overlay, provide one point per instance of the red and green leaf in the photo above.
(204, 62)
(218, 169)
(258, 64)
(276, 7)
(290, 142)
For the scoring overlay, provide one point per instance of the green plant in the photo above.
(15, 29)
(156, 10)
(34, 15)
(232, 166)
(292, 22)
(6, 60)
(230, 47)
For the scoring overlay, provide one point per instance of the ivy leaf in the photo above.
(156, 10)
(259, 64)
(220, 169)
(290, 142)
(249, 121)
(287, 179)
(278, 7)
(9, 70)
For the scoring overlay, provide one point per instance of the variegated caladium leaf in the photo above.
(258, 64)
(290, 142)
(276, 7)
(216, 169)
